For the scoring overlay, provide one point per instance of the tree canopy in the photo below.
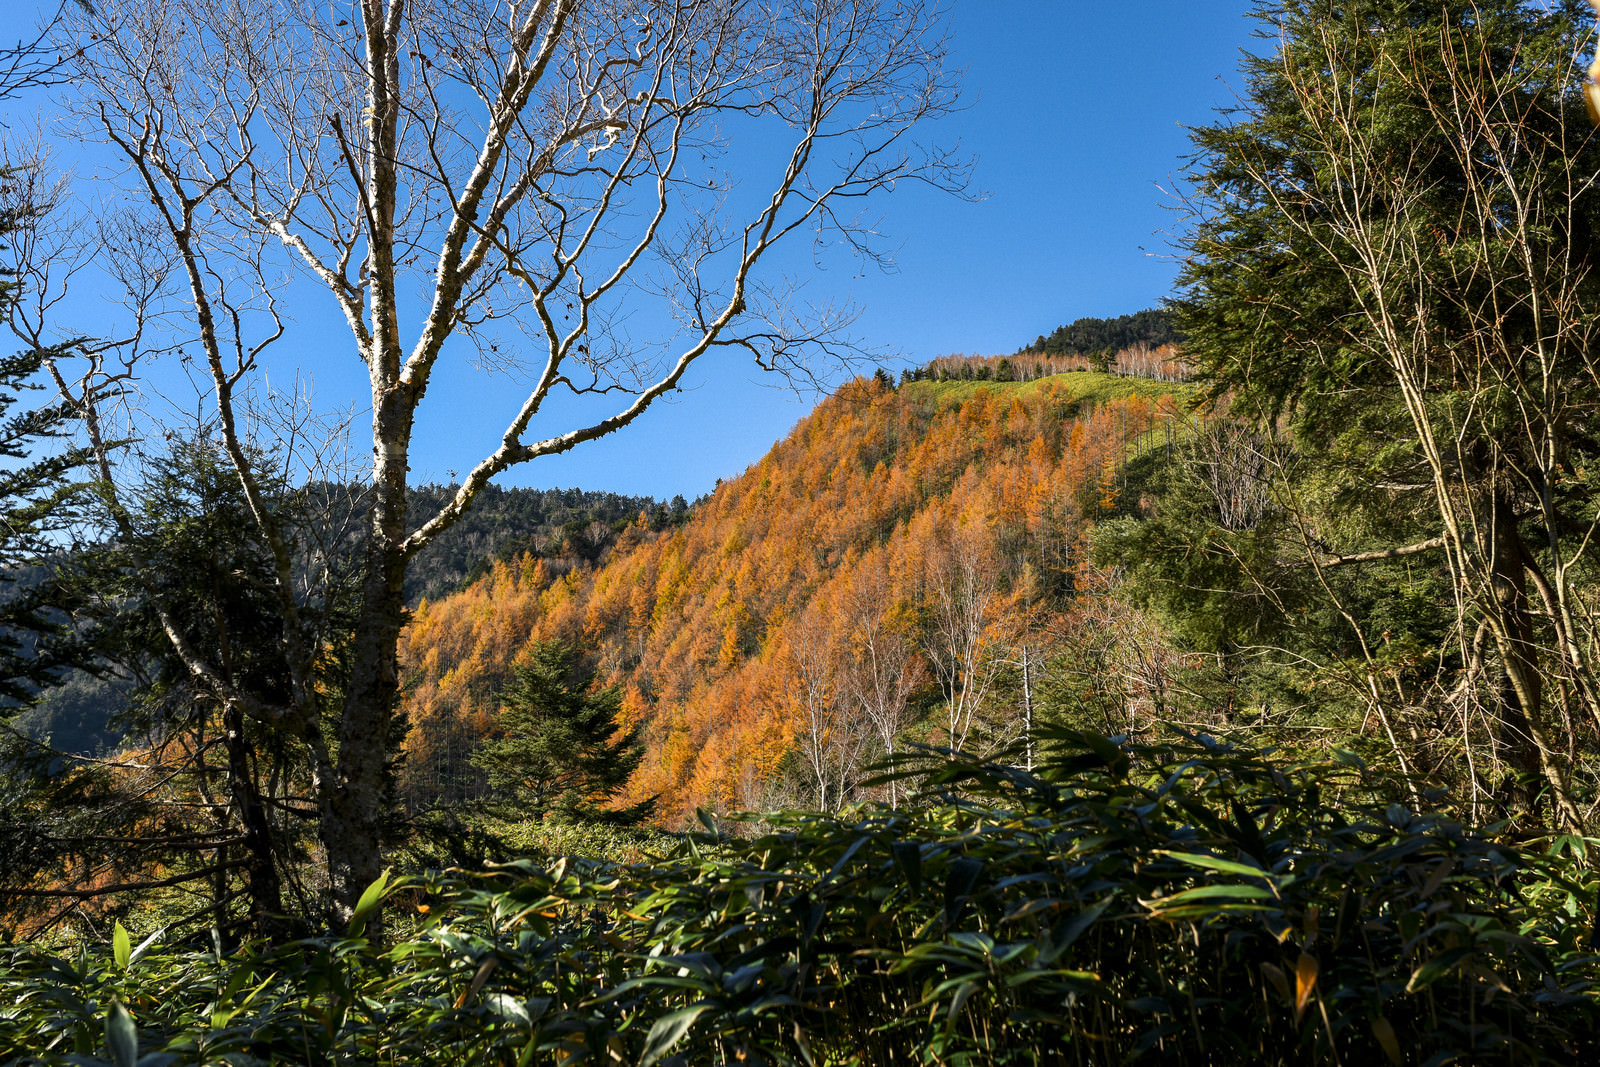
(1088, 335)
(561, 744)
(1392, 257)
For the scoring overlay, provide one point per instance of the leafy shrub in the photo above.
(1182, 903)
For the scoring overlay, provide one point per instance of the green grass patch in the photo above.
(1086, 387)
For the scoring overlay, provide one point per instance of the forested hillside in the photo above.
(1085, 336)
(1237, 704)
(879, 577)
(564, 527)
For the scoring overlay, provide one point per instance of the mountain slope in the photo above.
(863, 584)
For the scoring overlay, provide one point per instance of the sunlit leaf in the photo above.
(1305, 983)
(669, 1030)
(368, 903)
(1216, 863)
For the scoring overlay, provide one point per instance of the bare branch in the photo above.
(1385, 553)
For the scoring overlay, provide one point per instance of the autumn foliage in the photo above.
(858, 587)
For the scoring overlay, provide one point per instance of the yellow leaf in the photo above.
(485, 969)
(1305, 981)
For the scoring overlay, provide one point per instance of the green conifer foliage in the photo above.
(1392, 257)
(562, 748)
(41, 492)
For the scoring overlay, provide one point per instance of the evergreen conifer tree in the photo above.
(40, 491)
(1393, 258)
(562, 748)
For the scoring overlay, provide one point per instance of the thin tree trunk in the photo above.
(265, 892)
(1520, 725)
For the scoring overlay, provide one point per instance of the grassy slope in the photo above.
(1088, 387)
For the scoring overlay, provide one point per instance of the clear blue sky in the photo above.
(1075, 114)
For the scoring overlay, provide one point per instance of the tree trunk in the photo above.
(353, 809)
(352, 812)
(1520, 736)
(265, 891)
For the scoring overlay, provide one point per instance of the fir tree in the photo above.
(562, 748)
(1388, 225)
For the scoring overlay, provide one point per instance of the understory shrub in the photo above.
(1189, 902)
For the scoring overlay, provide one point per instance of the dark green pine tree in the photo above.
(44, 493)
(225, 829)
(561, 747)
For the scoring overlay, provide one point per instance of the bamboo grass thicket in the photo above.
(1189, 900)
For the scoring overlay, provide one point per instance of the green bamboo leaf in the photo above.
(908, 857)
(959, 883)
(144, 946)
(1210, 892)
(1248, 834)
(1208, 911)
(121, 947)
(237, 981)
(833, 872)
(669, 1030)
(959, 1001)
(1115, 759)
(368, 902)
(122, 1035)
(509, 1008)
(1436, 968)
(1083, 981)
(1062, 937)
(1216, 863)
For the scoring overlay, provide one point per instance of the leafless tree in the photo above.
(969, 627)
(882, 664)
(1232, 463)
(832, 736)
(32, 63)
(492, 182)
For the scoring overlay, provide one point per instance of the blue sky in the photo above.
(1075, 114)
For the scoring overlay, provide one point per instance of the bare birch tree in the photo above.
(493, 182)
(967, 632)
(882, 664)
(832, 737)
